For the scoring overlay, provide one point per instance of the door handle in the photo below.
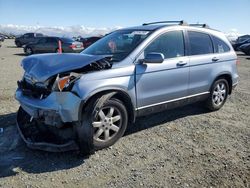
(215, 59)
(181, 63)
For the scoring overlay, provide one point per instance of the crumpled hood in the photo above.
(42, 67)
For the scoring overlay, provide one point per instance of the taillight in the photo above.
(72, 46)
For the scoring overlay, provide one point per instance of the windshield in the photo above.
(118, 44)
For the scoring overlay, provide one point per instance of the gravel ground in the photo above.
(185, 147)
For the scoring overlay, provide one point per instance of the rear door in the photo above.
(202, 60)
(39, 46)
(158, 84)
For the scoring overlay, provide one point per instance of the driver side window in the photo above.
(170, 44)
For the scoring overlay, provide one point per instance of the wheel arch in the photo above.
(112, 93)
(228, 78)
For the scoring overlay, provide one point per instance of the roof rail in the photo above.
(200, 25)
(181, 22)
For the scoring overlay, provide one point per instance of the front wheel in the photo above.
(109, 124)
(102, 125)
(218, 94)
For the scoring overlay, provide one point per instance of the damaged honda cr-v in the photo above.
(85, 101)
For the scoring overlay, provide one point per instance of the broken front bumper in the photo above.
(48, 124)
(37, 136)
(63, 104)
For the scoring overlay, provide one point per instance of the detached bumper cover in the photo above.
(65, 104)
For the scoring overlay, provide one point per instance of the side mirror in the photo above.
(154, 58)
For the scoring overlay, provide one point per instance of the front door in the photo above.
(162, 83)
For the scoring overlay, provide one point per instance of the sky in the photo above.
(223, 15)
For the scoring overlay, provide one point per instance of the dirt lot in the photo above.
(186, 147)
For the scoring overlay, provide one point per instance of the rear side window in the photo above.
(67, 40)
(220, 46)
(170, 44)
(39, 35)
(199, 43)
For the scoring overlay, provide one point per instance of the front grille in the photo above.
(32, 90)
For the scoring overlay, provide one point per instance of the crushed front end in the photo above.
(46, 118)
(49, 110)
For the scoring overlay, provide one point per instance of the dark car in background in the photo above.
(1, 38)
(239, 43)
(242, 38)
(245, 48)
(88, 41)
(51, 45)
(27, 38)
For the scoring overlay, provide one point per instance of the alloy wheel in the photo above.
(107, 124)
(219, 93)
(28, 51)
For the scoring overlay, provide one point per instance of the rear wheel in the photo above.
(102, 125)
(218, 94)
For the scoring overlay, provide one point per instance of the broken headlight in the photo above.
(65, 82)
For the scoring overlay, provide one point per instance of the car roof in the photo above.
(165, 24)
(158, 25)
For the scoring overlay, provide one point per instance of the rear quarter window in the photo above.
(67, 40)
(220, 46)
(39, 35)
(199, 43)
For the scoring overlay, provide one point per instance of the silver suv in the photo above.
(85, 101)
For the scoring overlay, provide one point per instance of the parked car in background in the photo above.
(50, 45)
(27, 38)
(1, 38)
(245, 48)
(242, 38)
(88, 41)
(238, 44)
(8, 36)
(85, 101)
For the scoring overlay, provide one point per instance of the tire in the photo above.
(28, 51)
(218, 94)
(102, 125)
